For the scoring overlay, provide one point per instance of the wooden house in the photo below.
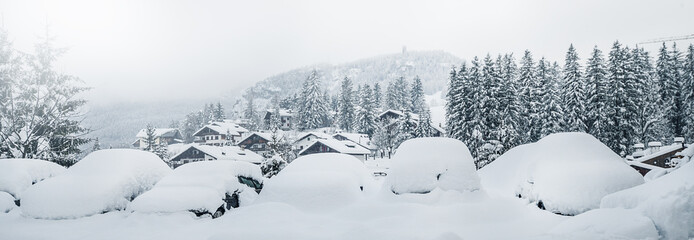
(307, 139)
(220, 133)
(166, 136)
(655, 156)
(197, 153)
(392, 116)
(285, 119)
(336, 146)
(257, 142)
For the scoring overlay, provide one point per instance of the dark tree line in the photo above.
(621, 99)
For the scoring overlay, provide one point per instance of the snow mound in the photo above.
(608, 224)
(567, 173)
(422, 164)
(103, 181)
(199, 186)
(6, 202)
(16, 175)
(318, 182)
(667, 200)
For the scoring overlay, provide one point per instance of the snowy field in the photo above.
(440, 196)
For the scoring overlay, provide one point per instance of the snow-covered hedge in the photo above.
(199, 186)
(318, 182)
(103, 181)
(420, 165)
(568, 173)
(16, 175)
(667, 200)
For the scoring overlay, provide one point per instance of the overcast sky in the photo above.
(143, 50)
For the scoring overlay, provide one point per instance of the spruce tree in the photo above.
(454, 101)
(597, 95)
(346, 110)
(573, 93)
(688, 90)
(378, 96)
(313, 111)
(552, 113)
(219, 115)
(529, 123)
(366, 122)
(417, 103)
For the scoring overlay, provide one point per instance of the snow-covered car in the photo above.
(103, 181)
(420, 165)
(564, 173)
(16, 175)
(319, 182)
(207, 187)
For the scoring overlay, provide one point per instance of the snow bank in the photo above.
(6, 202)
(667, 200)
(103, 181)
(568, 172)
(16, 175)
(607, 224)
(319, 182)
(198, 186)
(420, 165)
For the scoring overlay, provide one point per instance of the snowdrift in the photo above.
(607, 224)
(16, 175)
(319, 182)
(199, 186)
(566, 173)
(667, 200)
(6, 202)
(103, 181)
(420, 165)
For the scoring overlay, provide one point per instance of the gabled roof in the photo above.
(319, 135)
(265, 135)
(224, 127)
(358, 138)
(670, 149)
(346, 147)
(232, 153)
(283, 112)
(414, 116)
(160, 132)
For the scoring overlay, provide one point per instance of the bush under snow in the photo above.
(103, 181)
(569, 173)
(667, 200)
(16, 175)
(199, 186)
(318, 182)
(420, 165)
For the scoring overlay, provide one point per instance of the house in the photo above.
(336, 146)
(220, 133)
(307, 139)
(197, 153)
(166, 136)
(656, 156)
(285, 118)
(257, 142)
(393, 115)
(358, 138)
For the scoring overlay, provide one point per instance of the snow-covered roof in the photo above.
(346, 147)
(399, 113)
(358, 138)
(283, 112)
(663, 150)
(224, 127)
(319, 135)
(158, 132)
(233, 153)
(265, 135)
(655, 144)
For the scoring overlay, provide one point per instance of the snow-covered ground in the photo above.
(320, 197)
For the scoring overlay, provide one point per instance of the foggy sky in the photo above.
(158, 50)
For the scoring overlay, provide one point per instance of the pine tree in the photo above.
(597, 95)
(508, 100)
(417, 103)
(150, 139)
(474, 114)
(365, 122)
(648, 114)
(552, 113)
(405, 129)
(622, 108)
(391, 96)
(219, 115)
(346, 110)
(454, 103)
(688, 90)
(251, 114)
(529, 122)
(313, 111)
(573, 93)
(97, 145)
(668, 67)
(378, 97)
(424, 125)
(402, 94)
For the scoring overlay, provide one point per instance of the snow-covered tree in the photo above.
(417, 103)
(622, 108)
(313, 111)
(669, 74)
(378, 96)
(597, 95)
(346, 116)
(251, 112)
(573, 93)
(219, 112)
(405, 129)
(529, 120)
(455, 120)
(551, 114)
(648, 121)
(366, 122)
(688, 89)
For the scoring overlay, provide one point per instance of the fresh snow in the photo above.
(198, 186)
(568, 172)
(16, 175)
(422, 164)
(607, 224)
(6, 202)
(667, 200)
(103, 181)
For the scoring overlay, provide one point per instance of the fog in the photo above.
(161, 50)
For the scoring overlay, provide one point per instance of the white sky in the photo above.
(143, 50)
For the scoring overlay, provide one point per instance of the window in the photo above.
(250, 182)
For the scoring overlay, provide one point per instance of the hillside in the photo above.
(431, 66)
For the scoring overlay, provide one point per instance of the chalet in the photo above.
(336, 146)
(285, 118)
(220, 133)
(358, 138)
(393, 115)
(166, 136)
(656, 156)
(307, 139)
(197, 153)
(257, 142)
